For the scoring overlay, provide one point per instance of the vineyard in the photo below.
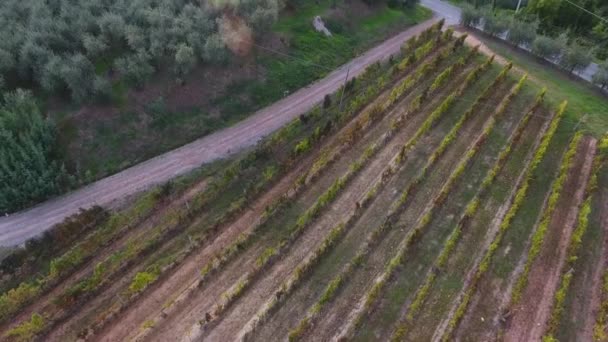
(438, 196)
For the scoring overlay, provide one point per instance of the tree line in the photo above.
(79, 47)
(562, 50)
(79, 50)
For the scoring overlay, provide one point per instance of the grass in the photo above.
(583, 99)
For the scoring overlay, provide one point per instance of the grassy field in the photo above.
(423, 209)
(584, 99)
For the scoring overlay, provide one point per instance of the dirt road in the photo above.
(17, 228)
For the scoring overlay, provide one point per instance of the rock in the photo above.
(320, 26)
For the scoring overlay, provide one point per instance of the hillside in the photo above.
(442, 199)
(118, 83)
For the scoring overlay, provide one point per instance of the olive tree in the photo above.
(185, 60)
(494, 25)
(522, 33)
(470, 16)
(547, 47)
(575, 58)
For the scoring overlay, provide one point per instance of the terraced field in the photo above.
(441, 199)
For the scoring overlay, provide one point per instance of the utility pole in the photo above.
(344, 88)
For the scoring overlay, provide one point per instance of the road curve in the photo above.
(18, 228)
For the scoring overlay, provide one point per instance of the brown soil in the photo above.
(292, 309)
(205, 299)
(596, 279)
(530, 316)
(516, 143)
(490, 236)
(264, 288)
(46, 303)
(339, 317)
(184, 281)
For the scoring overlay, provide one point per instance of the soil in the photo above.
(180, 285)
(489, 237)
(45, 302)
(596, 281)
(531, 315)
(271, 278)
(338, 319)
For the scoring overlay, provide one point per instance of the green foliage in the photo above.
(539, 234)
(575, 58)
(494, 25)
(16, 298)
(30, 170)
(26, 331)
(134, 37)
(522, 33)
(142, 280)
(520, 195)
(547, 47)
(470, 16)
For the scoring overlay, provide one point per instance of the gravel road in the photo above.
(19, 227)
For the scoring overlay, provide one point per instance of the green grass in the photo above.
(582, 98)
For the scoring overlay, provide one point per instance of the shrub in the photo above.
(470, 16)
(547, 47)
(494, 25)
(575, 58)
(29, 168)
(522, 33)
(26, 331)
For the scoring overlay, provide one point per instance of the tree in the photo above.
(93, 45)
(184, 59)
(215, 49)
(29, 168)
(78, 73)
(575, 58)
(547, 47)
(522, 33)
(601, 76)
(470, 16)
(494, 25)
(135, 68)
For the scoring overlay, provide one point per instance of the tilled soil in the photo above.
(530, 316)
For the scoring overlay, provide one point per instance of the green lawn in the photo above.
(584, 99)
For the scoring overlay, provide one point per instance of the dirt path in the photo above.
(19, 227)
(532, 314)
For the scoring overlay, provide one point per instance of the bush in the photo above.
(470, 16)
(30, 170)
(522, 33)
(494, 25)
(575, 58)
(547, 47)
